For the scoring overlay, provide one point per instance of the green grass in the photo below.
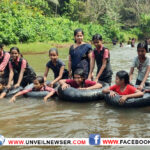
(37, 47)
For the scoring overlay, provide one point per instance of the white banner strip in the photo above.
(75, 141)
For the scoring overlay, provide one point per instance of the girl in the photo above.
(38, 86)
(142, 63)
(102, 57)
(20, 72)
(80, 55)
(3, 89)
(4, 59)
(123, 87)
(57, 66)
(79, 81)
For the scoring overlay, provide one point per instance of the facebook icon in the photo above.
(94, 139)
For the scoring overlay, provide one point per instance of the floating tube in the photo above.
(77, 95)
(14, 91)
(132, 102)
(37, 94)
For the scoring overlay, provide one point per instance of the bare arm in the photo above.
(106, 91)
(102, 68)
(96, 86)
(46, 73)
(11, 75)
(91, 65)
(69, 66)
(20, 78)
(49, 95)
(131, 73)
(63, 84)
(3, 94)
(146, 75)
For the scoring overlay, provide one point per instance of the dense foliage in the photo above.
(55, 20)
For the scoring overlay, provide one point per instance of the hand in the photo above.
(140, 87)
(13, 99)
(8, 86)
(70, 74)
(123, 99)
(112, 94)
(65, 86)
(51, 84)
(16, 85)
(96, 80)
(45, 99)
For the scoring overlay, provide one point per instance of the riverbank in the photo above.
(42, 47)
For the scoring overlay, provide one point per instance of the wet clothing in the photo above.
(99, 55)
(44, 88)
(79, 58)
(4, 60)
(128, 90)
(87, 83)
(142, 67)
(29, 74)
(56, 69)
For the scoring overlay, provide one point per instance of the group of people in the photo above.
(15, 70)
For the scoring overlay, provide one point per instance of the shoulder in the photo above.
(7, 54)
(131, 87)
(60, 62)
(89, 82)
(88, 46)
(49, 63)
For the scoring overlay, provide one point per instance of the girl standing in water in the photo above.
(80, 55)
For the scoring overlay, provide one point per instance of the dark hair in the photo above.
(3, 81)
(53, 50)
(142, 45)
(15, 48)
(40, 79)
(78, 30)
(123, 75)
(97, 37)
(80, 71)
(1, 45)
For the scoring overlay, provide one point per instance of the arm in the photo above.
(59, 77)
(91, 65)
(19, 94)
(3, 94)
(63, 84)
(102, 69)
(49, 95)
(5, 62)
(131, 73)
(108, 91)
(20, 78)
(69, 67)
(11, 75)
(46, 73)
(96, 86)
(145, 78)
(135, 95)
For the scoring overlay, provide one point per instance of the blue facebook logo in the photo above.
(94, 139)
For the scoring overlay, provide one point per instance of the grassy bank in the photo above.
(42, 47)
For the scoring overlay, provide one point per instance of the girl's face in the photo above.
(141, 52)
(53, 56)
(79, 37)
(78, 79)
(118, 81)
(14, 54)
(37, 85)
(97, 43)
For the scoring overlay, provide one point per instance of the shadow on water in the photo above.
(58, 119)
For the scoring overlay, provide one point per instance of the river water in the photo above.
(33, 118)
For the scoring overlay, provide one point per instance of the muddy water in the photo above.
(33, 118)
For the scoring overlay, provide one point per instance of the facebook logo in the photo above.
(94, 139)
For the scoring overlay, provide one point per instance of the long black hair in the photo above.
(80, 72)
(40, 79)
(123, 75)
